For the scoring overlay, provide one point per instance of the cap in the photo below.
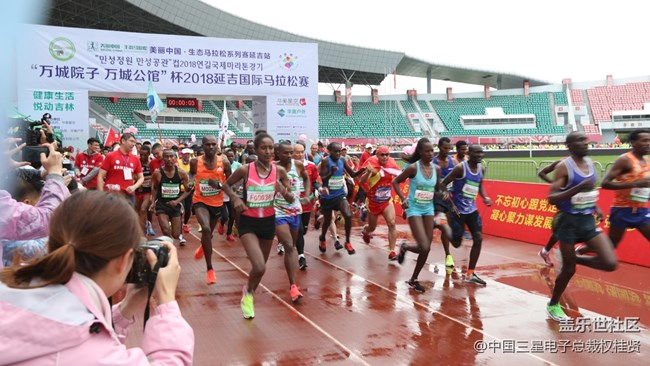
(187, 151)
(368, 146)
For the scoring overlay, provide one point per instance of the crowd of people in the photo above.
(62, 268)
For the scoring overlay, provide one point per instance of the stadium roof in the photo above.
(338, 62)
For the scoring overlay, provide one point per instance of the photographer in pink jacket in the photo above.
(55, 310)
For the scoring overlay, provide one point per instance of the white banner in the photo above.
(69, 110)
(121, 62)
(289, 117)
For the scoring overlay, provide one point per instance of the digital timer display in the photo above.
(182, 102)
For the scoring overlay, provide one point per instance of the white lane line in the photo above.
(352, 356)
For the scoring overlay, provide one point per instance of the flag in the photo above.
(154, 104)
(223, 125)
(112, 137)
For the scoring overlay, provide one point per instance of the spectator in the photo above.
(66, 292)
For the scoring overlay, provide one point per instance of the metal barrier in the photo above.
(512, 170)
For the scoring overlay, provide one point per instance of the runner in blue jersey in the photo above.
(424, 181)
(332, 194)
(574, 193)
(441, 205)
(467, 178)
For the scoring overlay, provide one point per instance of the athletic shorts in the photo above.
(294, 222)
(458, 222)
(440, 205)
(263, 228)
(622, 217)
(572, 229)
(213, 211)
(377, 208)
(419, 210)
(162, 208)
(332, 204)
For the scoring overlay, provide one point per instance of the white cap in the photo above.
(368, 146)
(187, 151)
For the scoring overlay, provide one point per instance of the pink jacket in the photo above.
(19, 221)
(71, 325)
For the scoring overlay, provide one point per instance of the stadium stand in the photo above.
(606, 99)
(367, 120)
(576, 97)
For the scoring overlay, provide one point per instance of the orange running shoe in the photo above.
(211, 277)
(295, 293)
(198, 254)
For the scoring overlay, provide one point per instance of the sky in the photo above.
(545, 40)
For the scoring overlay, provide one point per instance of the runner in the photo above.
(119, 169)
(288, 214)
(630, 178)
(467, 178)
(307, 206)
(256, 225)
(332, 194)
(574, 193)
(88, 163)
(544, 252)
(381, 169)
(442, 206)
(230, 218)
(168, 194)
(143, 194)
(208, 174)
(184, 164)
(424, 180)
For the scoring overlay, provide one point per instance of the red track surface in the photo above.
(358, 309)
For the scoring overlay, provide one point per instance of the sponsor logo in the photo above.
(62, 49)
(289, 61)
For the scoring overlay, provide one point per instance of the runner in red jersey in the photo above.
(121, 169)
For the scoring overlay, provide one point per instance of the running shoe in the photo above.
(186, 228)
(302, 263)
(230, 237)
(440, 219)
(211, 277)
(366, 236)
(449, 261)
(247, 306)
(415, 285)
(402, 253)
(546, 257)
(181, 240)
(337, 245)
(348, 247)
(475, 279)
(295, 293)
(467, 235)
(220, 228)
(364, 214)
(581, 249)
(556, 313)
(198, 253)
(280, 249)
(323, 245)
(392, 256)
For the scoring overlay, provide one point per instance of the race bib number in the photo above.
(260, 197)
(84, 170)
(584, 200)
(170, 190)
(383, 194)
(113, 187)
(640, 194)
(423, 195)
(336, 183)
(146, 183)
(127, 174)
(206, 189)
(470, 190)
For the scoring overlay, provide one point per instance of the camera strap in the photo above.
(150, 286)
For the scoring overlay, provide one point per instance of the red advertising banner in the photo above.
(521, 211)
(486, 90)
(348, 101)
(526, 88)
(375, 96)
(450, 95)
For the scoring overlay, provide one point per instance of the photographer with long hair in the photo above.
(55, 309)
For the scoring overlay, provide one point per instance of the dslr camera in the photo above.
(141, 272)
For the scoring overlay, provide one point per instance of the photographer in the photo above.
(19, 221)
(59, 304)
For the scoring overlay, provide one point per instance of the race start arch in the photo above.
(57, 67)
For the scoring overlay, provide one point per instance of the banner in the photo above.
(122, 62)
(521, 211)
(348, 101)
(69, 110)
(375, 96)
(289, 117)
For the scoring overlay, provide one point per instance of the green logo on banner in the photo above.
(62, 49)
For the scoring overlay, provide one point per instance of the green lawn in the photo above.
(525, 169)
